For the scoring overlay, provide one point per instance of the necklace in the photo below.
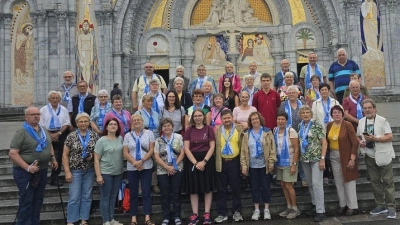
(115, 145)
(335, 131)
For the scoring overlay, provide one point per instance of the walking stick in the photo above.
(62, 203)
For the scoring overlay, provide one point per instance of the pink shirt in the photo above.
(235, 83)
(111, 114)
(241, 116)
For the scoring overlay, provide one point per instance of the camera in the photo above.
(370, 144)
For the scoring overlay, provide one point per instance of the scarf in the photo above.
(200, 82)
(251, 93)
(170, 152)
(122, 119)
(154, 106)
(283, 79)
(207, 99)
(152, 124)
(227, 150)
(303, 135)
(42, 144)
(308, 75)
(288, 110)
(102, 114)
(138, 146)
(81, 108)
(147, 87)
(317, 94)
(358, 104)
(326, 109)
(257, 146)
(55, 121)
(283, 159)
(67, 97)
(84, 142)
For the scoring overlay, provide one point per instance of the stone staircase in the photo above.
(52, 209)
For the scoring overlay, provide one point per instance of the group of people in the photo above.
(191, 138)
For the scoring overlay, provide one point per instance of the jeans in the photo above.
(30, 198)
(170, 187)
(382, 183)
(144, 177)
(109, 191)
(315, 183)
(301, 173)
(58, 152)
(80, 195)
(229, 175)
(260, 189)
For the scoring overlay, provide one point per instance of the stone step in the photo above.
(53, 206)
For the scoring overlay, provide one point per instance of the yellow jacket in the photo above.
(218, 155)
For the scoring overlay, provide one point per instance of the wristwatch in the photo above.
(59, 132)
(205, 160)
(295, 164)
(322, 157)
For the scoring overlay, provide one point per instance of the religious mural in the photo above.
(305, 39)
(373, 63)
(22, 56)
(86, 48)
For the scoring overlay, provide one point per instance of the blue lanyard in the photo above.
(84, 143)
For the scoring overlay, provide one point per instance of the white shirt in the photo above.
(46, 116)
(160, 100)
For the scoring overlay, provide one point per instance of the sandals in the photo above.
(149, 222)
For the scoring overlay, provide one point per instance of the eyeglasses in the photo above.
(368, 107)
(67, 76)
(33, 114)
(103, 96)
(81, 86)
(112, 124)
(148, 67)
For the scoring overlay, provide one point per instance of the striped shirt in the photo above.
(340, 75)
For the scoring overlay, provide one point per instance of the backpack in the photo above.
(158, 76)
(126, 200)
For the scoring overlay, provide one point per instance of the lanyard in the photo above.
(84, 142)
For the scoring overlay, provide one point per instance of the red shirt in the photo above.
(199, 138)
(352, 107)
(267, 104)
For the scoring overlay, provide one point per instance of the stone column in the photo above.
(352, 8)
(71, 42)
(6, 55)
(393, 33)
(62, 45)
(41, 57)
(188, 49)
(104, 52)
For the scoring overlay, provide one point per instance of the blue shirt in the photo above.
(340, 75)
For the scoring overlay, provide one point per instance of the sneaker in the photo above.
(311, 212)
(284, 213)
(207, 219)
(165, 222)
(107, 223)
(256, 215)
(156, 189)
(114, 222)
(267, 214)
(304, 183)
(326, 181)
(319, 217)
(178, 221)
(293, 213)
(221, 219)
(379, 210)
(391, 214)
(237, 217)
(193, 219)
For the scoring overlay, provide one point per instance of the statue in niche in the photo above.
(212, 52)
(230, 11)
(249, 50)
(369, 12)
(23, 44)
(87, 68)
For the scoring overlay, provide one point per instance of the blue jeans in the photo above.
(260, 189)
(171, 187)
(144, 177)
(109, 191)
(80, 195)
(30, 198)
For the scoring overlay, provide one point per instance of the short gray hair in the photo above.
(30, 107)
(80, 115)
(54, 93)
(368, 100)
(292, 87)
(179, 79)
(354, 81)
(180, 67)
(244, 92)
(103, 92)
(341, 49)
(154, 80)
(305, 108)
(248, 76)
(289, 74)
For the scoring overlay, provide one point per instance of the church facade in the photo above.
(108, 41)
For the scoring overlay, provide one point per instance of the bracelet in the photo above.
(29, 168)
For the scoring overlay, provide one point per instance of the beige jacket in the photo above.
(268, 147)
(218, 154)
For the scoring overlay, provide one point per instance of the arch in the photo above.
(192, 3)
(157, 31)
(8, 4)
(119, 11)
(284, 7)
(315, 29)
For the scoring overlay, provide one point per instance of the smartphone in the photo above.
(366, 134)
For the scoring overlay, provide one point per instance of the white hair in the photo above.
(341, 49)
(248, 76)
(54, 93)
(179, 79)
(354, 81)
(80, 115)
(292, 88)
(180, 67)
(154, 80)
(289, 74)
(30, 107)
(103, 92)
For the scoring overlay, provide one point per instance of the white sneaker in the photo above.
(113, 222)
(267, 214)
(107, 223)
(256, 215)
